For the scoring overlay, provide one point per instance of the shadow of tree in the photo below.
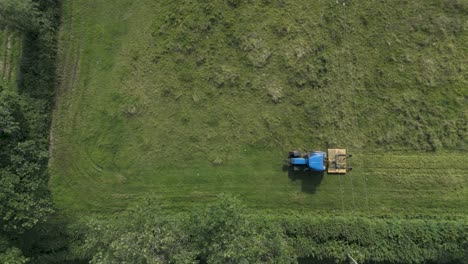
(310, 180)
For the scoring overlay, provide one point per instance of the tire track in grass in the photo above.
(67, 73)
(6, 54)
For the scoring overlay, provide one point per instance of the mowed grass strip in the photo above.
(184, 100)
(385, 184)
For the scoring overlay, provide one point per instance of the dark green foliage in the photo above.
(226, 232)
(220, 233)
(19, 15)
(24, 198)
(24, 125)
(223, 233)
(143, 238)
(379, 240)
(10, 254)
(53, 242)
(10, 130)
(37, 69)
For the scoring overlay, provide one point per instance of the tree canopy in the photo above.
(219, 233)
(19, 15)
(24, 198)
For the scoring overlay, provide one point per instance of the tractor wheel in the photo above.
(295, 154)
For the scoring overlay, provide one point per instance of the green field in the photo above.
(153, 93)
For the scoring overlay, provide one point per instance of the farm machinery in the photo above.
(333, 161)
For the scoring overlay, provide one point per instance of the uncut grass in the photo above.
(164, 89)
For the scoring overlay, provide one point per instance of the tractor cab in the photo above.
(313, 160)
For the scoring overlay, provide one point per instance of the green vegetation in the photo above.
(389, 240)
(188, 99)
(220, 233)
(183, 100)
(19, 15)
(26, 87)
(10, 49)
(175, 102)
(227, 232)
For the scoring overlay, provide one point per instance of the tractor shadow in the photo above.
(310, 180)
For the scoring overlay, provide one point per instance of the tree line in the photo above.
(25, 199)
(221, 232)
(226, 231)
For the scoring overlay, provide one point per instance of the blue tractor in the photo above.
(332, 161)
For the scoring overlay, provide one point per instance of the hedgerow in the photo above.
(387, 240)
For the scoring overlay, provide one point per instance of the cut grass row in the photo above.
(380, 184)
